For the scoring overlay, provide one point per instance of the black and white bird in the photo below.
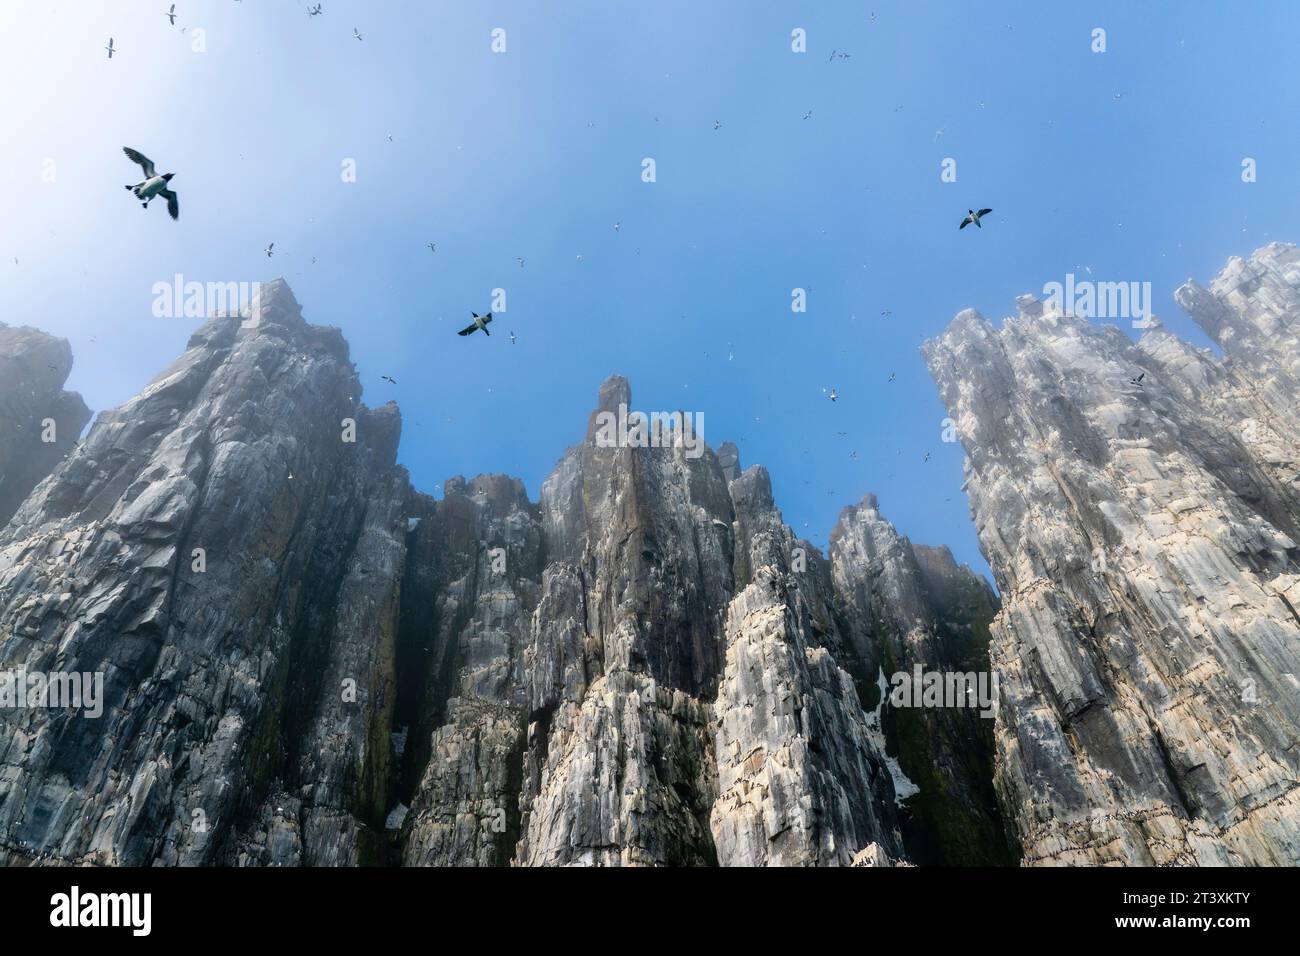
(313, 11)
(480, 322)
(832, 395)
(433, 247)
(926, 458)
(356, 34)
(270, 250)
(512, 337)
(171, 15)
(153, 185)
(974, 217)
(389, 379)
(109, 48)
(892, 376)
(1138, 381)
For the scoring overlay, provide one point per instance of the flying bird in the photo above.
(480, 322)
(892, 376)
(433, 247)
(520, 260)
(808, 115)
(356, 33)
(389, 379)
(270, 250)
(974, 217)
(1138, 381)
(171, 15)
(313, 11)
(926, 458)
(153, 184)
(833, 396)
(717, 124)
(109, 48)
(512, 337)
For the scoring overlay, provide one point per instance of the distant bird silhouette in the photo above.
(171, 15)
(356, 33)
(926, 458)
(1138, 381)
(808, 115)
(520, 260)
(893, 375)
(512, 337)
(433, 247)
(153, 184)
(270, 250)
(832, 395)
(480, 322)
(314, 11)
(974, 217)
(109, 48)
(389, 379)
(717, 124)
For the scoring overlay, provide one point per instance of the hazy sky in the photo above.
(1127, 162)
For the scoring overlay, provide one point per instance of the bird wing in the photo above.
(984, 212)
(173, 206)
(138, 157)
(487, 318)
(470, 329)
(965, 222)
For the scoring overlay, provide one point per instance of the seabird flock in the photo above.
(155, 186)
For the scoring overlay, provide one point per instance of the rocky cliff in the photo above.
(306, 661)
(1139, 504)
(39, 421)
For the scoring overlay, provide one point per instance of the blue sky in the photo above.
(1128, 162)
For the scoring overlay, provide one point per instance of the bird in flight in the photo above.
(717, 124)
(833, 396)
(153, 184)
(270, 250)
(109, 48)
(808, 115)
(433, 247)
(926, 458)
(512, 337)
(389, 379)
(313, 11)
(480, 322)
(520, 260)
(171, 15)
(1138, 381)
(974, 217)
(356, 33)
(892, 376)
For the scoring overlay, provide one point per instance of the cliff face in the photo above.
(910, 607)
(39, 421)
(307, 662)
(1139, 505)
(228, 563)
(636, 674)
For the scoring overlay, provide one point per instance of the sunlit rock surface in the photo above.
(1144, 540)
